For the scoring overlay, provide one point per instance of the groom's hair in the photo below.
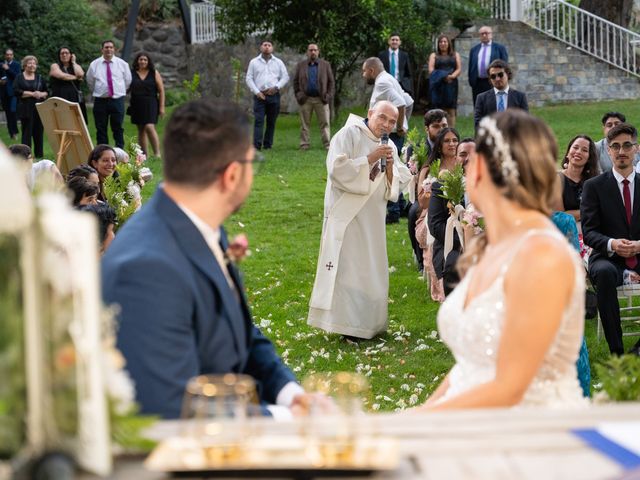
(201, 139)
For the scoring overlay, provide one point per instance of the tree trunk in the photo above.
(616, 11)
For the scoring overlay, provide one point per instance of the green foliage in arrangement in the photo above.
(416, 139)
(12, 387)
(41, 27)
(620, 377)
(453, 185)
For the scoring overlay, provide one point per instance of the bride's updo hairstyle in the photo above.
(520, 153)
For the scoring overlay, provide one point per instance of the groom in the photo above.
(183, 311)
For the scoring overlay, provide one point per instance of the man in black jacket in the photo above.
(501, 96)
(610, 212)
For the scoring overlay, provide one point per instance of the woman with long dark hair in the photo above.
(147, 101)
(444, 69)
(66, 77)
(580, 164)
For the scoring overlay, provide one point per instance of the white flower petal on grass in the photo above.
(413, 399)
(386, 399)
(433, 335)
(375, 407)
(392, 269)
(241, 225)
(405, 387)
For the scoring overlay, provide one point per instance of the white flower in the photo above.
(16, 206)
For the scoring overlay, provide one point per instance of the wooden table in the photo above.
(476, 444)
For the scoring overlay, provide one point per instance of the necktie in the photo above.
(483, 62)
(374, 172)
(393, 64)
(501, 105)
(632, 262)
(109, 79)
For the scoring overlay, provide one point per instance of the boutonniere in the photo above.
(238, 249)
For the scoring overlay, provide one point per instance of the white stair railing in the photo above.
(573, 26)
(203, 23)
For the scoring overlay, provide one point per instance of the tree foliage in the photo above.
(346, 30)
(41, 27)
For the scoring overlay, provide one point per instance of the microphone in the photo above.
(384, 140)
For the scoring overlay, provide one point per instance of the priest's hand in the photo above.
(379, 152)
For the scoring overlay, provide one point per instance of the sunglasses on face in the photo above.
(493, 76)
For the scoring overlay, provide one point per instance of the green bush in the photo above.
(41, 27)
(175, 96)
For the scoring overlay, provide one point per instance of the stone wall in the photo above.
(547, 70)
(165, 43)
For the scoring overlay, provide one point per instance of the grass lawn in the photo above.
(283, 220)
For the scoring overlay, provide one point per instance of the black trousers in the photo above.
(606, 276)
(9, 104)
(32, 129)
(105, 111)
(269, 108)
(412, 218)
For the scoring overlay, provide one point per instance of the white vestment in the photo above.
(352, 278)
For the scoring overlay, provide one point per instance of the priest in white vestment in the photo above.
(350, 293)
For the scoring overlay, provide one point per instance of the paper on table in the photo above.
(625, 434)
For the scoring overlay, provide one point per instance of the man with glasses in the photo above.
(610, 213)
(183, 310)
(480, 57)
(610, 120)
(501, 96)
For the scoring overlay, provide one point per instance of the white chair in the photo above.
(629, 314)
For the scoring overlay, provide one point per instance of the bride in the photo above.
(515, 322)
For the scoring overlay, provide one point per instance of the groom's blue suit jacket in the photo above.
(178, 316)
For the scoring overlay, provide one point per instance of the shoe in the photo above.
(392, 219)
(351, 339)
(14, 137)
(635, 350)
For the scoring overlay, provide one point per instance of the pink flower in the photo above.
(238, 248)
(140, 158)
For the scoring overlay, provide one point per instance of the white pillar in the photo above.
(515, 13)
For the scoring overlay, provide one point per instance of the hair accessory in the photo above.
(488, 128)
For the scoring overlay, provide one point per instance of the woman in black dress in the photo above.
(147, 100)
(66, 76)
(580, 164)
(30, 88)
(444, 68)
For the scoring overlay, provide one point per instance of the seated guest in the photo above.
(611, 227)
(85, 192)
(106, 222)
(103, 159)
(438, 214)
(45, 175)
(183, 310)
(580, 164)
(85, 171)
(434, 121)
(21, 151)
(609, 120)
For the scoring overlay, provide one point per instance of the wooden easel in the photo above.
(66, 131)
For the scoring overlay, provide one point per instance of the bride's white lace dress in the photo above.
(473, 336)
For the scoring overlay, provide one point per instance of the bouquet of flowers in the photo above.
(124, 192)
(474, 219)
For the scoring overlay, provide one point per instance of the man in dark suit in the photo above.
(396, 63)
(480, 57)
(610, 213)
(183, 311)
(9, 70)
(501, 96)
